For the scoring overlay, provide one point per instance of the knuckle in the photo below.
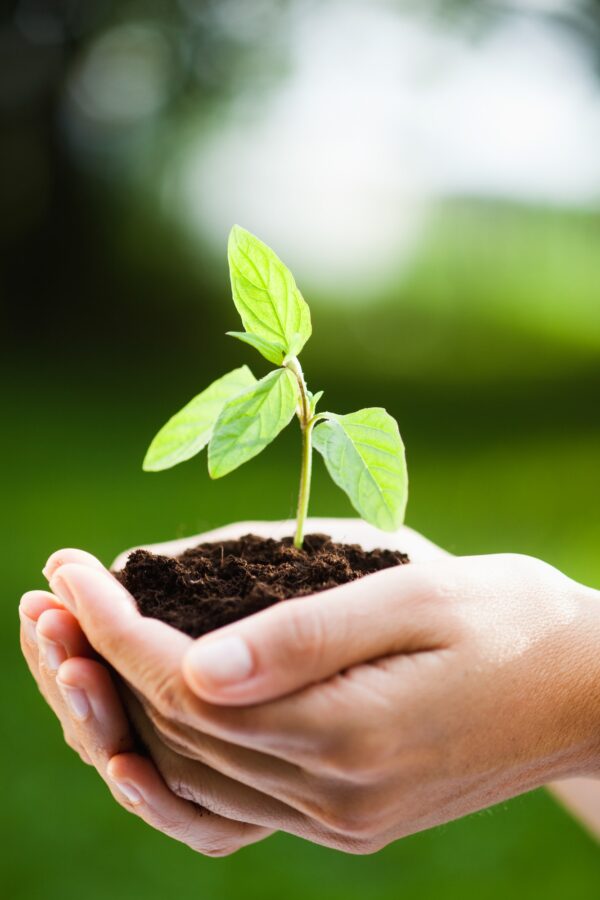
(173, 735)
(71, 742)
(361, 824)
(179, 830)
(367, 765)
(127, 805)
(176, 744)
(333, 759)
(343, 766)
(179, 786)
(216, 851)
(353, 757)
(165, 694)
(305, 631)
(363, 847)
(195, 837)
(351, 814)
(185, 832)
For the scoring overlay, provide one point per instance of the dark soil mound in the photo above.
(213, 584)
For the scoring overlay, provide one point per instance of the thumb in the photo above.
(299, 642)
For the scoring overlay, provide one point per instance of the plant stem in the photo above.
(306, 426)
(304, 493)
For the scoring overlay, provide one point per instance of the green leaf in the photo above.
(265, 293)
(189, 430)
(313, 400)
(364, 455)
(275, 353)
(252, 420)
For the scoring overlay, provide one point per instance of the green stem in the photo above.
(304, 493)
(306, 426)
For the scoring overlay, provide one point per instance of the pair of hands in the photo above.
(351, 718)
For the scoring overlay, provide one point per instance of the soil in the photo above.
(213, 584)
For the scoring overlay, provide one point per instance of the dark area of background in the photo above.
(485, 345)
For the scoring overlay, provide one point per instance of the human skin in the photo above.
(351, 718)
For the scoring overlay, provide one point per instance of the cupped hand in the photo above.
(81, 692)
(388, 705)
(186, 778)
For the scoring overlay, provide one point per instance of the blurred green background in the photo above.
(431, 173)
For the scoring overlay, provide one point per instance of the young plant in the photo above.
(238, 415)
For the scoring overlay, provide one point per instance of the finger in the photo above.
(148, 655)
(343, 529)
(34, 606)
(226, 796)
(103, 731)
(31, 606)
(86, 701)
(30, 651)
(320, 816)
(297, 643)
(69, 555)
(59, 637)
(56, 637)
(145, 651)
(46, 683)
(277, 778)
(143, 791)
(94, 709)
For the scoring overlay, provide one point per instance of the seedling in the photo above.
(238, 415)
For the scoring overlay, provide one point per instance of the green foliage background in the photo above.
(486, 350)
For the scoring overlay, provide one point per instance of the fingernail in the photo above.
(222, 662)
(76, 700)
(129, 791)
(54, 654)
(62, 590)
(29, 627)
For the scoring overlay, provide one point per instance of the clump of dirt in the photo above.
(213, 584)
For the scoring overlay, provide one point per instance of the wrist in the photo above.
(582, 678)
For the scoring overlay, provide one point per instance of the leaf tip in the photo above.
(148, 465)
(213, 471)
(236, 233)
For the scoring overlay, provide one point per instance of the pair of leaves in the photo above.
(273, 311)
(364, 455)
(237, 416)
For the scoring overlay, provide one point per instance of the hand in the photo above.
(190, 779)
(82, 694)
(499, 652)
